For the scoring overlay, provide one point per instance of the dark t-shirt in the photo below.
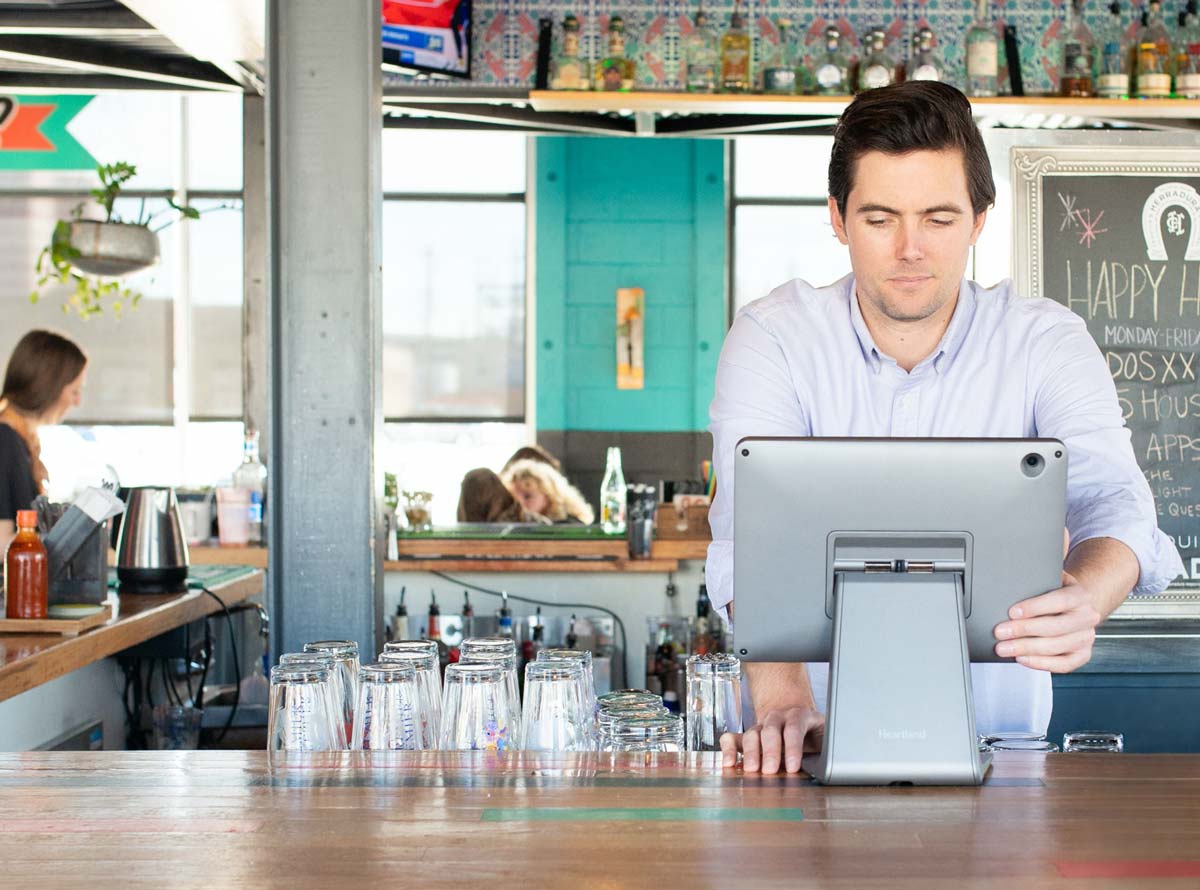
(17, 488)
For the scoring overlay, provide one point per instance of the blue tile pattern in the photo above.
(505, 31)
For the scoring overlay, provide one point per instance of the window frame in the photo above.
(523, 198)
(733, 203)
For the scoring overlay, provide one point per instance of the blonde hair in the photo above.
(565, 500)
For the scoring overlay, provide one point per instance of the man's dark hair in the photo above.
(917, 115)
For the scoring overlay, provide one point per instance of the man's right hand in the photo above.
(781, 738)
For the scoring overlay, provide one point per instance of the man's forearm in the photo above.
(1107, 568)
(777, 686)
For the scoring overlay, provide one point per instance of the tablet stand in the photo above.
(900, 707)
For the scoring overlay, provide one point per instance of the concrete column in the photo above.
(324, 198)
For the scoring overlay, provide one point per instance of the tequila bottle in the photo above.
(983, 54)
(877, 69)
(831, 71)
(615, 71)
(925, 63)
(1153, 56)
(1077, 58)
(570, 71)
(736, 55)
(1187, 57)
(700, 57)
(1112, 62)
(779, 70)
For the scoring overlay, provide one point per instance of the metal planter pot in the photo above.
(112, 249)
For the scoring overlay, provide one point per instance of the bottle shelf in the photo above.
(831, 106)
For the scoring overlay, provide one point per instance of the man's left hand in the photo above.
(1052, 632)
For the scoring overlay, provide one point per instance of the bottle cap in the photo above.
(27, 519)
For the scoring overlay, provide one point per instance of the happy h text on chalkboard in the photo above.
(1113, 233)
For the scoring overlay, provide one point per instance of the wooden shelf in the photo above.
(210, 555)
(569, 566)
(28, 660)
(832, 106)
(490, 555)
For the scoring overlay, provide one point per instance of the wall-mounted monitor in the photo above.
(429, 36)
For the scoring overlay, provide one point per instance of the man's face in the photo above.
(909, 227)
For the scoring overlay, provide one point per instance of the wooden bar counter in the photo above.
(213, 819)
(28, 660)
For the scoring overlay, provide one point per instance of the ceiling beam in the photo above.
(97, 58)
(115, 21)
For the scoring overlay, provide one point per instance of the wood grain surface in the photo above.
(213, 819)
(28, 660)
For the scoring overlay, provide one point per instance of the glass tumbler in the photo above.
(477, 712)
(429, 693)
(584, 657)
(385, 715)
(641, 734)
(611, 713)
(333, 686)
(714, 700)
(1017, 741)
(508, 663)
(428, 648)
(1093, 741)
(301, 720)
(495, 644)
(345, 653)
(556, 716)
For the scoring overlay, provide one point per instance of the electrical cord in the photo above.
(576, 606)
(237, 668)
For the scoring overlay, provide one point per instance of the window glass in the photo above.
(774, 244)
(453, 309)
(215, 291)
(434, 457)
(214, 141)
(448, 161)
(782, 166)
(131, 357)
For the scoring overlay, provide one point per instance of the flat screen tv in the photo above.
(432, 36)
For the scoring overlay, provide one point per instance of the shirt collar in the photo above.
(947, 349)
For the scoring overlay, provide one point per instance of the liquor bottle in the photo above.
(251, 476)
(877, 69)
(1077, 59)
(570, 71)
(983, 54)
(504, 619)
(433, 628)
(612, 494)
(615, 71)
(926, 63)
(1187, 57)
(1153, 56)
(831, 70)
(704, 642)
(26, 571)
(736, 52)
(700, 57)
(1112, 62)
(779, 70)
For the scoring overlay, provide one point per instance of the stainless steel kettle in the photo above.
(152, 553)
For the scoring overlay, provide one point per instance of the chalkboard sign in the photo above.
(1113, 233)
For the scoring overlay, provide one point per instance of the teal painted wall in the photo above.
(613, 213)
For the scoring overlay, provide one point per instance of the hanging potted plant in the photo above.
(92, 254)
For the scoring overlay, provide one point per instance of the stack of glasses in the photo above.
(323, 700)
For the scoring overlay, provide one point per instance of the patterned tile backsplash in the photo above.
(504, 38)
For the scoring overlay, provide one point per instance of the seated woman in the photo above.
(484, 498)
(543, 490)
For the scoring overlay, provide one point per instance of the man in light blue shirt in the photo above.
(906, 347)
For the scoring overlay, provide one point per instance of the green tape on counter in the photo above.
(641, 814)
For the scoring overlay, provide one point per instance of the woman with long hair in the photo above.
(543, 490)
(44, 380)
